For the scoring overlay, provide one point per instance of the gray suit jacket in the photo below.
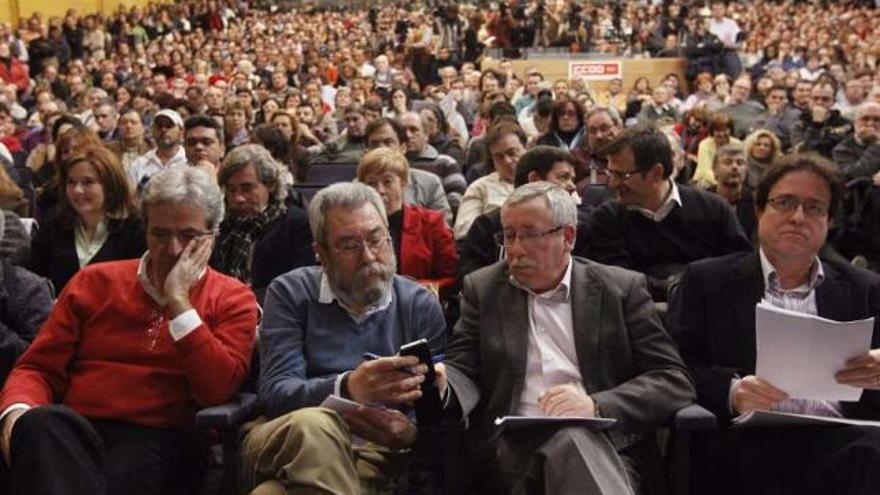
(630, 366)
(426, 190)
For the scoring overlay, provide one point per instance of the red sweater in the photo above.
(94, 352)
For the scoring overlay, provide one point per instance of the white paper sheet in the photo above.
(342, 405)
(516, 422)
(771, 418)
(800, 353)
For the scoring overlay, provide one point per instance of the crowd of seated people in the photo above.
(186, 186)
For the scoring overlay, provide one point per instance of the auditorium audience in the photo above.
(225, 86)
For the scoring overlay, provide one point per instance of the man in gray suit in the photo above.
(545, 334)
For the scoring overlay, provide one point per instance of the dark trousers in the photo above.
(797, 460)
(56, 451)
(558, 461)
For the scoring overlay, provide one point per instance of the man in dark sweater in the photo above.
(655, 226)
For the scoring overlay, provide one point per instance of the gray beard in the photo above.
(354, 289)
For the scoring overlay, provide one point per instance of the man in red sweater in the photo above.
(103, 400)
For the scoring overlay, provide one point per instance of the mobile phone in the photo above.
(420, 349)
(429, 408)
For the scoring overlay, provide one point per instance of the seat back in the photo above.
(327, 173)
(307, 192)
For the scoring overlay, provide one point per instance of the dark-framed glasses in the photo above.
(787, 203)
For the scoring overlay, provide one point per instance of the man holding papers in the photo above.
(545, 334)
(713, 318)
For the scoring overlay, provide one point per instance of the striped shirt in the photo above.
(803, 300)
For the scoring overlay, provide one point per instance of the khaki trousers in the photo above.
(310, 451)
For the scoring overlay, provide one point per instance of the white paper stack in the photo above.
(800, 353)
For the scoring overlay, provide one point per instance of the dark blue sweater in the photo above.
(305, 344)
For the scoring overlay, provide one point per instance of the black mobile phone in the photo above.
(429, 408)
(420, 349)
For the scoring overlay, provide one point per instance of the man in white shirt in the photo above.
(727, 30)
(168, 153)
(546, 334)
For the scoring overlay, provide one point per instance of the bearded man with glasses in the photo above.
(543, 333)
(712, 317)
(318, 325)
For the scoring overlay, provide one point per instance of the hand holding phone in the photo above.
(429, 408)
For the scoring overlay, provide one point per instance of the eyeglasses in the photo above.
(621, 176)
(353, 247)
(508, 238)
(788, 204)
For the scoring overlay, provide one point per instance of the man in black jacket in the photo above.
(712, 317)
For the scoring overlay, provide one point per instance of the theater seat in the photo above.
(327, 173)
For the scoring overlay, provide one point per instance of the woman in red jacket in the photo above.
(423, 242)
(12, 70)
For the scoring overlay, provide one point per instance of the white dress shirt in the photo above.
(482, 196)
(673, 199)
(551, 357)
(149, 164)
(87, 248)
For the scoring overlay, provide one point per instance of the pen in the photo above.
(369, 356)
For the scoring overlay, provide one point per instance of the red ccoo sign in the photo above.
(595, 71)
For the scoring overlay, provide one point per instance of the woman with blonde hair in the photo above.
(422, 240)
(95, 220)
(762, 147)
